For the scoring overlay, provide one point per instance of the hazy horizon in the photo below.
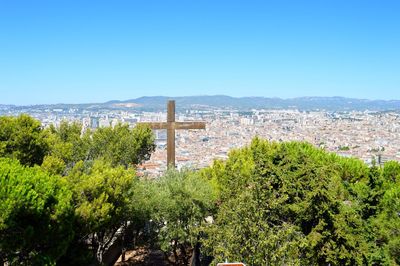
(122, 100)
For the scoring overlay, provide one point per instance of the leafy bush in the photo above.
(102, 197)
(22, 138)
(181, 201)
(291, 203)
(36, 215)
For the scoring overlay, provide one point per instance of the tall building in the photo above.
(94, 122)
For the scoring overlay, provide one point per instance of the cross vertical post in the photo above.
(171, 134)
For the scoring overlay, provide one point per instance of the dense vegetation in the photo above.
(290, 203)
(66, 195)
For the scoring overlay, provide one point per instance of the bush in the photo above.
(36, 215)
(287, 204)
(22, 138)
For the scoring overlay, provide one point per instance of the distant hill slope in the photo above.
(158, 103)
(303, 103)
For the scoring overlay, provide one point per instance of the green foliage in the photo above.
(293, 191)
(391, 172)
(385, 221)
(270, 203)
(344, 148)
(101, 196)
(68, 144)
(36, 215)
(53, 165)
(351, 170)
(22, 138)
(181, 202)
(121, 145)
(90, 168)
(242, 232)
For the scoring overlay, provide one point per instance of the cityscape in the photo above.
(372, 136)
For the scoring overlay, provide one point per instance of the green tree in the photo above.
(22, 138)
(54, 165)
(121, 145)
(182, 200)
(286, 204)
(391, 173)
(36, 215)
(384, 221)
(101, 195)
(68, 143)
(385, 228)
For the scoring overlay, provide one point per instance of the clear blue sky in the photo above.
(93, 51)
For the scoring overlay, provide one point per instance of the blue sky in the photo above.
(95, 51)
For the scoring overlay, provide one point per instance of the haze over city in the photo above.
(96, 51)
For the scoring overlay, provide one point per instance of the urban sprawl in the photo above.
(368, 135)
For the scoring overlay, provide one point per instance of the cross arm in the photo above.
(155, 125)
(175, 125)
(190, 125)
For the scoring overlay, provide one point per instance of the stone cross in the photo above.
(171, 126)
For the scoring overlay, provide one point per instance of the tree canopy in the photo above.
(291, 203)
(36, 215)
(22, 138)
(118, 145)
(121, 145)
(68, 194)
(180, 203)
(101, 196)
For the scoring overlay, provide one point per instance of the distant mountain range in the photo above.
(246, 103)
(158, 103)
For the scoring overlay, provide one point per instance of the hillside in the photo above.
(245, 103)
